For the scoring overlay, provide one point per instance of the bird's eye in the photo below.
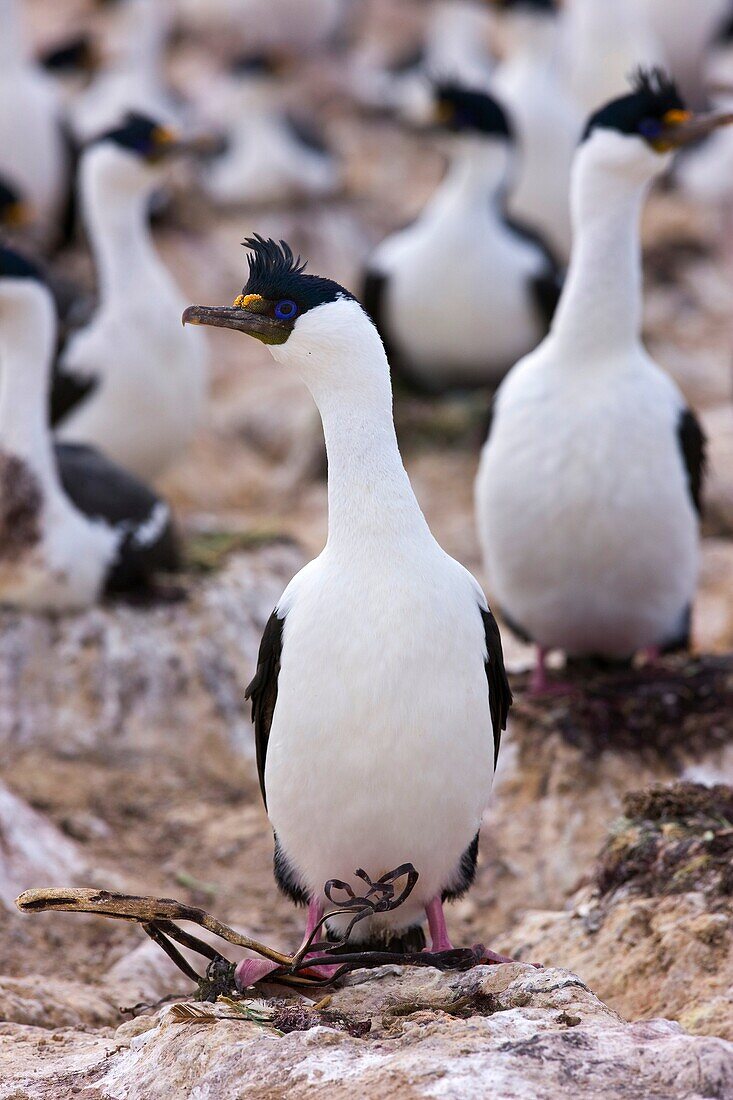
(650, 128)
(286, 310)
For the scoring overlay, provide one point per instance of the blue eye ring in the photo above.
(286, 310)
(650, 128)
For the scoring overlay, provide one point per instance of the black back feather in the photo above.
(500, 693)
(263, 691)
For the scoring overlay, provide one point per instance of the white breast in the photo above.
(458, 303)
(32, 154)
(153, 383)
(588, 530)
(381, 746)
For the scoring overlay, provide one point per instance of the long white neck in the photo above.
(601, 304)
(532, 38)
(27, 339)
(13, 51)
(372, 510)
(116, 216)
(477, 172)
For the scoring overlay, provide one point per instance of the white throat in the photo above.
(27, 339)
(478, 171)
(115, 208)
(601, 304)
(371, 506)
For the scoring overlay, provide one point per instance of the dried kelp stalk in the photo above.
(158, 917)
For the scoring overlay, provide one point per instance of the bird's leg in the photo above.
(541, 684)
(651, 654)
(439, 940)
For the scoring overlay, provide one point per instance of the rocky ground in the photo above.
(126, 753)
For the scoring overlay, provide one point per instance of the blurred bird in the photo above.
(380, 692)
(72, 524)
(131, 382)
(33, 152)
(685, 29)
(267, 157)
(588, 490)
(606, 42)
(133, 78)
(463, 292)
(456, 47)
(547, 120)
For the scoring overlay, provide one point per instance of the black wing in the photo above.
(547, 285)
(67, 391)
(263, 691)
(693, 445)
(500, 694)
(104, 491)
(304, 132)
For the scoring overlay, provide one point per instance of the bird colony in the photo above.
(365, 417)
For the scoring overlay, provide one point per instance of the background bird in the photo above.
(498, 282)
(72, 524)
(130, 383)
(589, 487)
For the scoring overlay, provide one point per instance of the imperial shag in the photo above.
(588, 491)
(380, 692)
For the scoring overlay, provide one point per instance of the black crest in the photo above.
(641, 112)
(277, 274)
(254, 64)
(13, 265)
(465, 110)
(528, 5)
(9, 197)
(136, 133)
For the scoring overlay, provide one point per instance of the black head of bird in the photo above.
(259, 66)
(14, 211)
(276, 295)
(548, 6)
(654, 115)
(460, 110)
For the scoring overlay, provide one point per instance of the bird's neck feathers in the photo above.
(27, 340)
(601, 305)
(531, 36)
(371, 505)
(115, 206)
(478, 170)
(13, 49)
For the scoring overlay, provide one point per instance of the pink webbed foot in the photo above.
(251, 971)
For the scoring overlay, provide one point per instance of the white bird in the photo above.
(268, 158)
(72, 525)
(685, 29)
(546, 118)
(133, 78)
(463, 292)
(33, 152)
(588, 489)
(376, 728)
(607, 42)
(456, 47)
(131, 383)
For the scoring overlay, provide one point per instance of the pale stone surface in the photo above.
(521, 1033)
(31, 848)
(566, 764)
(653, 931)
